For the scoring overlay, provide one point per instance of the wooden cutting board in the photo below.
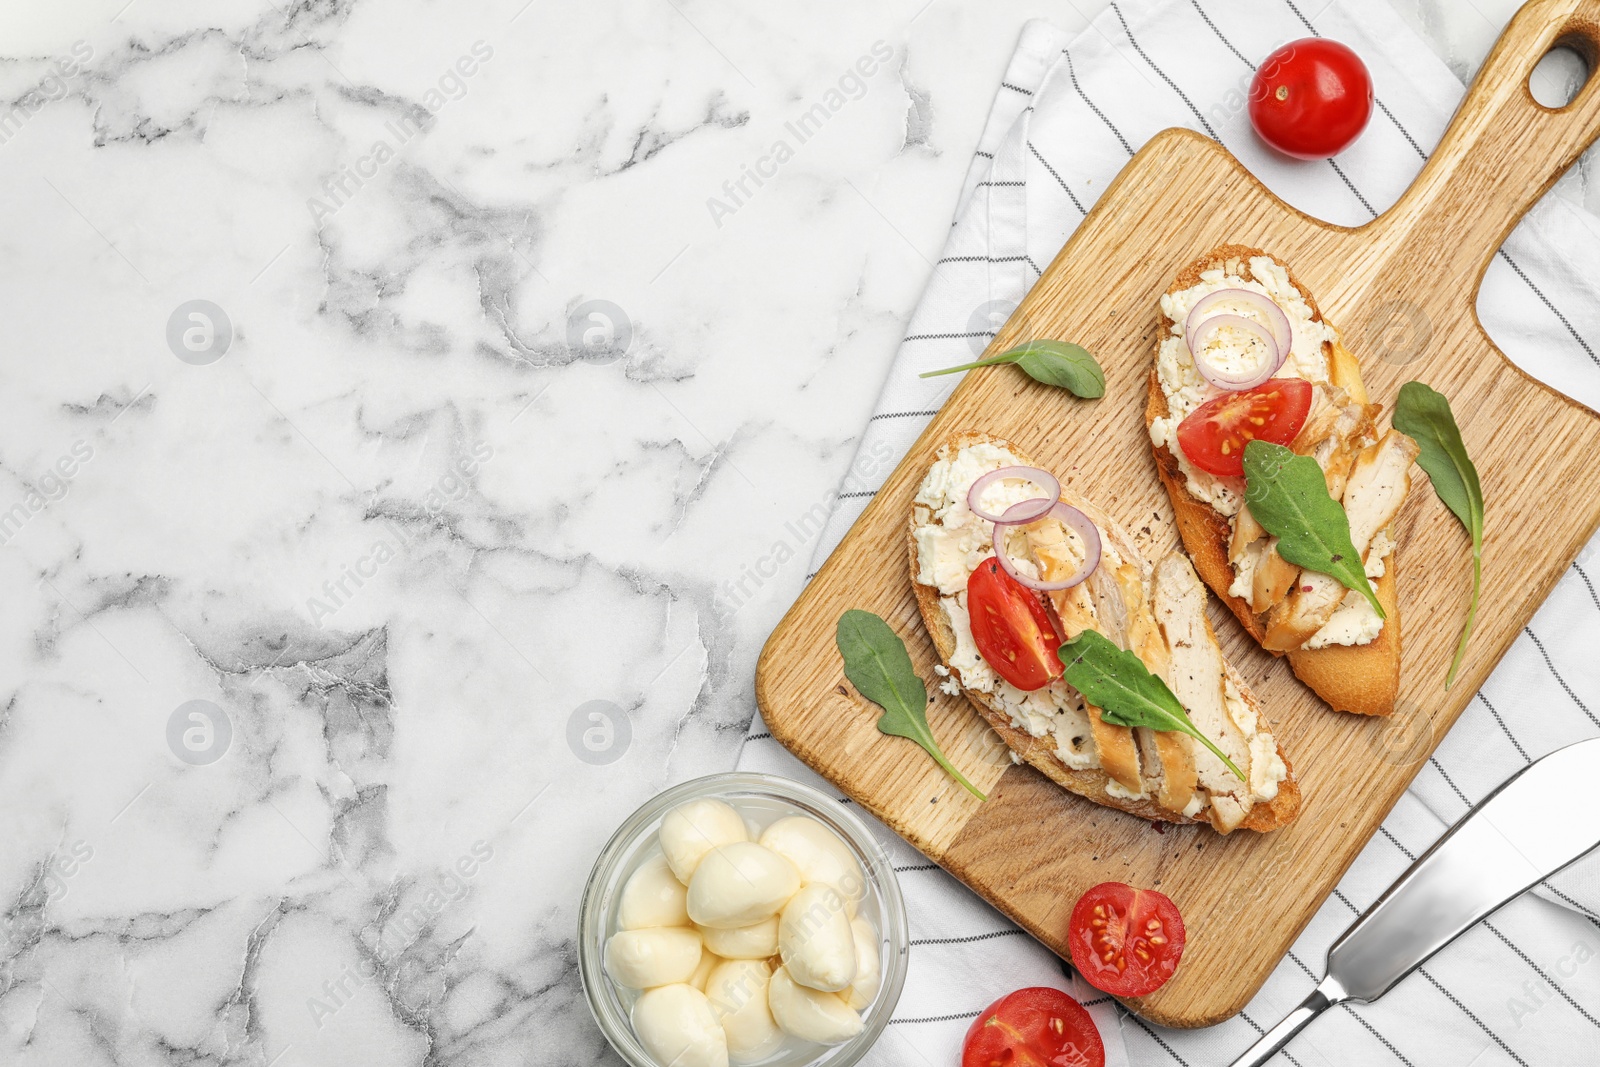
(1033, 848)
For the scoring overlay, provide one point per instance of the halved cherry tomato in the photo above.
(1215, 433)
(1125, 941)
(1311, 98)
(1035, 1027)
(1013, 632)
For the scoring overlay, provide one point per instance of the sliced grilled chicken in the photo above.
(1353, 431)
(1049, 728)
(1168, 763)
(1197, 673)
(1322, 420)
(1355, 669)
(1335, 432)
(1376, 488)
(1144, 760)
(1060, 556)
(1246, 532)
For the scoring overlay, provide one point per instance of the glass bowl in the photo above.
(761, 799)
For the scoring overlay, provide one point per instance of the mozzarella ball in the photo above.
(702, 973)
(737, 990)
(869, 973)
(676, 1025)
(643, 959)
(740, 884)
(691, 830)
(810, 1014)
(815, 941)
(819, 855)
(653, 896)
(754, 942)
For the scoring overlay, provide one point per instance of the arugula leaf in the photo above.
(1424, 416)
(1127, 694)
(1288, 495)
(1058, 363)
(877, 664)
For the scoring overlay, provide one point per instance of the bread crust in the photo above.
(1362, 679)
(1039, 751)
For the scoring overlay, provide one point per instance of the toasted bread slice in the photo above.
(1040, 751)
(1363, 679)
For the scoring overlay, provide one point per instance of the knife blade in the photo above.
(1538, 821)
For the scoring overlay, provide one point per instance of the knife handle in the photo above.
(1326, 995)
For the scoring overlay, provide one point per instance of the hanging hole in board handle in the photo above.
(1503, 148)
(1560, 76)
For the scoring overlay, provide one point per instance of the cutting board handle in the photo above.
(1503, 148)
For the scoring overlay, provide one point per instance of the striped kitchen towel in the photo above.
(1523, 988)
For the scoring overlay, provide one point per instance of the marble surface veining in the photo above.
(391, 388)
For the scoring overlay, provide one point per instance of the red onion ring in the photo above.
(1234, 382)
(1277, 321)
(1070, 517)
(1037, 509)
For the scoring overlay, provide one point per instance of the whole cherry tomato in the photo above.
(1311, 98)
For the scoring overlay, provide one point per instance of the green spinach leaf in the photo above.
(877, 664)
(1121, 686)
(1288, 495)
(1423, 415)
(1058, 363)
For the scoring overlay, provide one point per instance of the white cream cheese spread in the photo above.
(951, 541)
(1355, 622)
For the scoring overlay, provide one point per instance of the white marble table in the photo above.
(388, 507)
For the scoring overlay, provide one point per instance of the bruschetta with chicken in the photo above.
(1007, 570)
(1243, 353)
